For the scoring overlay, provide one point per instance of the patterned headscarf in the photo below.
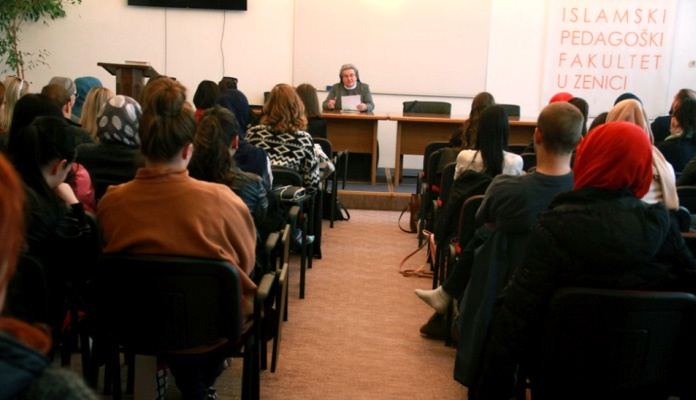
(119, 120)
(616, 155)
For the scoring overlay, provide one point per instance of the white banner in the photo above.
(599, 49)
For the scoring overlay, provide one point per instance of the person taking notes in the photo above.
(350, 94)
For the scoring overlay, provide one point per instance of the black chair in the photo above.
(426, 214)
(174, 306)
(340, 161)
(281, 298)
(427, 107)
(446, 181)
(465, 232)
(512, 110)
(614, 344)
(687, 197)
(305, 221)
(429, 149)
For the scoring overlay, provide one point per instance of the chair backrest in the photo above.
(432, 182)
(427, 107)
(163, 303)
(687, 197)
(285, 176)
(446, 181)
(528, 160)
(616, 343)
(512, 110)
(325, 145)
(467, 218)
(429, 148)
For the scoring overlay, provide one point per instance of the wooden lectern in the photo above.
(129, 77)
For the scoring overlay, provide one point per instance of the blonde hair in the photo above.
(94, 101)
(284, 110)
(14, 89)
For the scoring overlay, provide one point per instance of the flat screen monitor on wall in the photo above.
(239, 5)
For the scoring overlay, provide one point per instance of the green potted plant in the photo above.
(13, 13)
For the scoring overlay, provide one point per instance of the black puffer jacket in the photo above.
(589, 238)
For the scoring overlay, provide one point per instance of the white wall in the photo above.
(257, 48)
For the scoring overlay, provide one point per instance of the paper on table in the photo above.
(350, 103)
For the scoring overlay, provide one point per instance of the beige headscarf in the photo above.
(632, 111)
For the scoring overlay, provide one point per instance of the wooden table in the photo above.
(355, 132)
(415, 131)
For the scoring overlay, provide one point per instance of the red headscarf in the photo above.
(616, 155)
(562, 96)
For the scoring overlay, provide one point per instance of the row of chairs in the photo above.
(184, 307)
(597, 343)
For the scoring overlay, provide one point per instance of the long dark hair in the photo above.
(470, 128)
(211, 160)
(492, 138)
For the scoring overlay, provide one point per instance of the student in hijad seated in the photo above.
(350, 85)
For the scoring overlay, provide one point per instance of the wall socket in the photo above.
(692, 64)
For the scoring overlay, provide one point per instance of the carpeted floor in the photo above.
(355, 335)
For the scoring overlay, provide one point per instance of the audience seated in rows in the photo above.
(191, 217)
(638, 246)
(510, 208)
(26, 370)
(59, 234)
(509, 211)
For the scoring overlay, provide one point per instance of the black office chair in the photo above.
(305, 221)
(174, 307)
(427, 107)
(687, 197)
(512, 110)
(429, 149)
(614, 344)
(340, 161)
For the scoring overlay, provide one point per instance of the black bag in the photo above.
(340, 211)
